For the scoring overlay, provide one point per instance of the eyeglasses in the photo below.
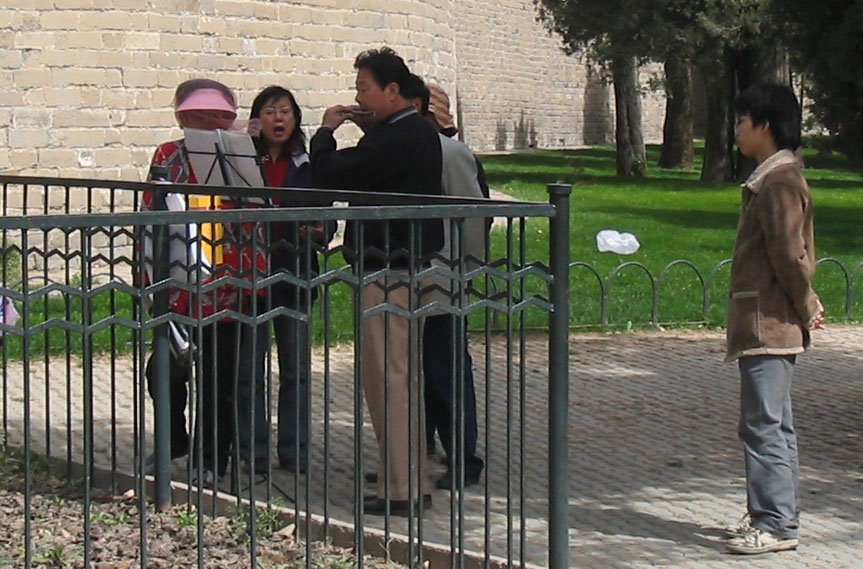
(272, 111)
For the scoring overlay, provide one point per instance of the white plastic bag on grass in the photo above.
(609, 240)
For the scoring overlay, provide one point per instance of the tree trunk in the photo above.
(678, 150)
(762, 63)
(631, 158)
(719, 136)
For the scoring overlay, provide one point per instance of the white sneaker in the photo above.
(738, 528)
(756, 541)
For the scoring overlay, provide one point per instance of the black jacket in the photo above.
(287, 247)
(401, 154)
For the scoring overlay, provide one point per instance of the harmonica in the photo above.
(362, 113)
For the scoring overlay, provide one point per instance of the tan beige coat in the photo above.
(771, 298)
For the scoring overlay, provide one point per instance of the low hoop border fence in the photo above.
(839, 293)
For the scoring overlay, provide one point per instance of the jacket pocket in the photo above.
(744, 320)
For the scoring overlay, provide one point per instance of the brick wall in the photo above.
(87, 84)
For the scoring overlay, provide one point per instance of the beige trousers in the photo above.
(391, 370)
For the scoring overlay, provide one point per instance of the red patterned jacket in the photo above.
(243, 254)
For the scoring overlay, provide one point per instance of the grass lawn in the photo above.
(674, 217)
(672, 214)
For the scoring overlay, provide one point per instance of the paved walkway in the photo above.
(655, 466)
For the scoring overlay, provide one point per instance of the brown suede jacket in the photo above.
(771, 298)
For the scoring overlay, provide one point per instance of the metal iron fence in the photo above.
(240, 364)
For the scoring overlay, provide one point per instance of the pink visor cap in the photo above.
(206, 100)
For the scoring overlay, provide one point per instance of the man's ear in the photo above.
(392, 90)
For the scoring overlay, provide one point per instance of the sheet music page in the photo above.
(201, 146)
(240, 156)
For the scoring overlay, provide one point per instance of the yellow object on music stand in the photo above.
(212, 234)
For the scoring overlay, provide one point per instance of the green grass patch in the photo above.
(675, 217)
(686, 230)
(62, 318)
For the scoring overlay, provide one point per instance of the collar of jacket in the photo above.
(299, 158)
(397, 116)
(780, 158)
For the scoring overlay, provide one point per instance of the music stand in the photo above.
(225, 159)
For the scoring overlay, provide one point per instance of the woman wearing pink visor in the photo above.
(208, 105)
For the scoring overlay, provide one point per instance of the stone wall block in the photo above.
(31, 118)
(111, 157)
(83, 118)
(143, 40)
(78, 40)
(77, 4)
(163, 22)
(64, 98)
(140, 77)
(148, 118)
(234, 8)
(58, 158)
(181, 42)
(22, 160)
(25, 79)
(11, 58)
(28, 138)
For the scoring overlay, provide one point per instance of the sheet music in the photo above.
(239, 152)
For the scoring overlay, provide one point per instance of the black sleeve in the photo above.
(346, 169)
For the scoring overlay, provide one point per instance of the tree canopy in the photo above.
(825, 43)
(655, 29)
(731, 42)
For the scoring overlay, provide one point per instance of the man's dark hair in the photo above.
(416, 89)
(773, 105)
(297, 139)
(386, 66)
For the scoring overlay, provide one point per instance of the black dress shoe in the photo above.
(446, 481)
(295, 465)
(375, 506)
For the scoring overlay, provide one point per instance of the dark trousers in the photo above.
(253, 423)
(217, 349)
(292, 343)
(293, 408)
(440, 374)
(180, 374)
(219, 368)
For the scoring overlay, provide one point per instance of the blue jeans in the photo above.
(439, 353)
(292, 343)
(252, 385)
(770, 444)
(293, 398)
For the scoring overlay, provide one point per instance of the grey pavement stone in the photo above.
(655, 465)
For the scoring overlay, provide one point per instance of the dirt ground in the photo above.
(57, 534)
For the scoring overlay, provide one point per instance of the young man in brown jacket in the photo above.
(770, 313)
